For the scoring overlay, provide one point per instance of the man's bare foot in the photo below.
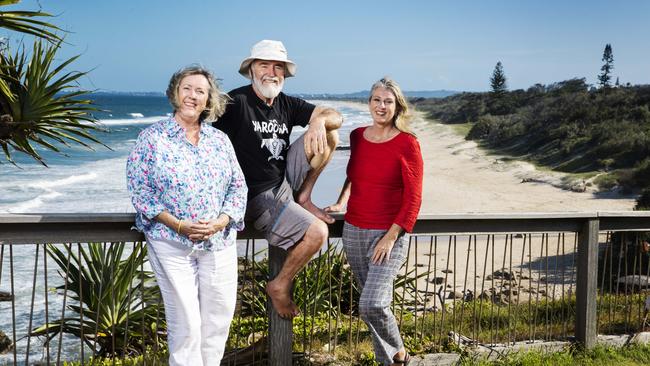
(319, 213)
(281, 299)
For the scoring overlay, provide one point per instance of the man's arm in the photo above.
(322, 120)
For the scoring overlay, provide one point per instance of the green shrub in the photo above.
(606, 181)
(643, 202)
(564, 125)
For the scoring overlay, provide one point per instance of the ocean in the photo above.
(94, 181)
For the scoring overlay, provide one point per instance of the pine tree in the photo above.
(498, 80)
(499, 103)
(605, 77)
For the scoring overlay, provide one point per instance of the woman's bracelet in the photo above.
(180, 224)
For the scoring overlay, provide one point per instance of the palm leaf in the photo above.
(118, 300)
(42, 110)
(25, 22)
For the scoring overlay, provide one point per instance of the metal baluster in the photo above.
(47, 318)
(475, 298)
(13, 302)
(426, 291)
(31, 306)
(444, 289)
(462, 301)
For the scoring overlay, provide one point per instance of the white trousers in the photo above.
(199, 289)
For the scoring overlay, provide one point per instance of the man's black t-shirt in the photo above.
(260, 134)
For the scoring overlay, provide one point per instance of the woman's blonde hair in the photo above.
(217, 99)
(403, 115)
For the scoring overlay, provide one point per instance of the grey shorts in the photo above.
(274, 212)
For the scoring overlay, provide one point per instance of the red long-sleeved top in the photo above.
(386, 182)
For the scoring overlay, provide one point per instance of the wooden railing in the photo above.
(587, 229)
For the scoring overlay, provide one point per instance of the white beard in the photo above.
(269, 91)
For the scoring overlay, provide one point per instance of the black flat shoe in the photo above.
(404, 362)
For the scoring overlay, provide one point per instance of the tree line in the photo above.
(569, 125)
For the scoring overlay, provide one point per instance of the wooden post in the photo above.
(280, 330)
(586, 284)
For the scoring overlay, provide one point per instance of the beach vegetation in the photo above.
(643, 202)
(122, 311)
(462, 128)
(150, 357)
(331, 336)
(630, 355)
(568, 126)
(115, 307)
(41, 105)
(324, 291)
(606, 182)
(326, 294)
(311, 289)
(480, 322)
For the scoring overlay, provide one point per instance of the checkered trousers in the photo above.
(376, 284)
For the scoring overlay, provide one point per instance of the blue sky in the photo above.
(344, 46)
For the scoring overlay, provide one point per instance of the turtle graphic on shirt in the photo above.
(275, 147)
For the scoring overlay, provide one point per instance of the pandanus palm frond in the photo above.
(114, 306)
(40, 103)
(25, 22)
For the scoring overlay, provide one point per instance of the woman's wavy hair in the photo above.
(217, 99)
(403, 115)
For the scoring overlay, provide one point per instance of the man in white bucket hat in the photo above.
(280, 176)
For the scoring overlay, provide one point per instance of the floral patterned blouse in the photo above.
(165, 171)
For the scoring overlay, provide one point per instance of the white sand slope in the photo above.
(459, 177)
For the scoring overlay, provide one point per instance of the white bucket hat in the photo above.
(268, 50)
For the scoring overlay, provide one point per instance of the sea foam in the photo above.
(134, 121)
(49, 184)
(29, 205)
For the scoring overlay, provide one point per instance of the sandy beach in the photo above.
(459, 177)
(463, 178)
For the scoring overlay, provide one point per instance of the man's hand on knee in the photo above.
(315, 138)
(322, 120)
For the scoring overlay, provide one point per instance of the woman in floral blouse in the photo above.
(190, 197)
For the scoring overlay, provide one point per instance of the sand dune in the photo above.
(460, 177)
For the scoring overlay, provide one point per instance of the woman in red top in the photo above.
(383, 193)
